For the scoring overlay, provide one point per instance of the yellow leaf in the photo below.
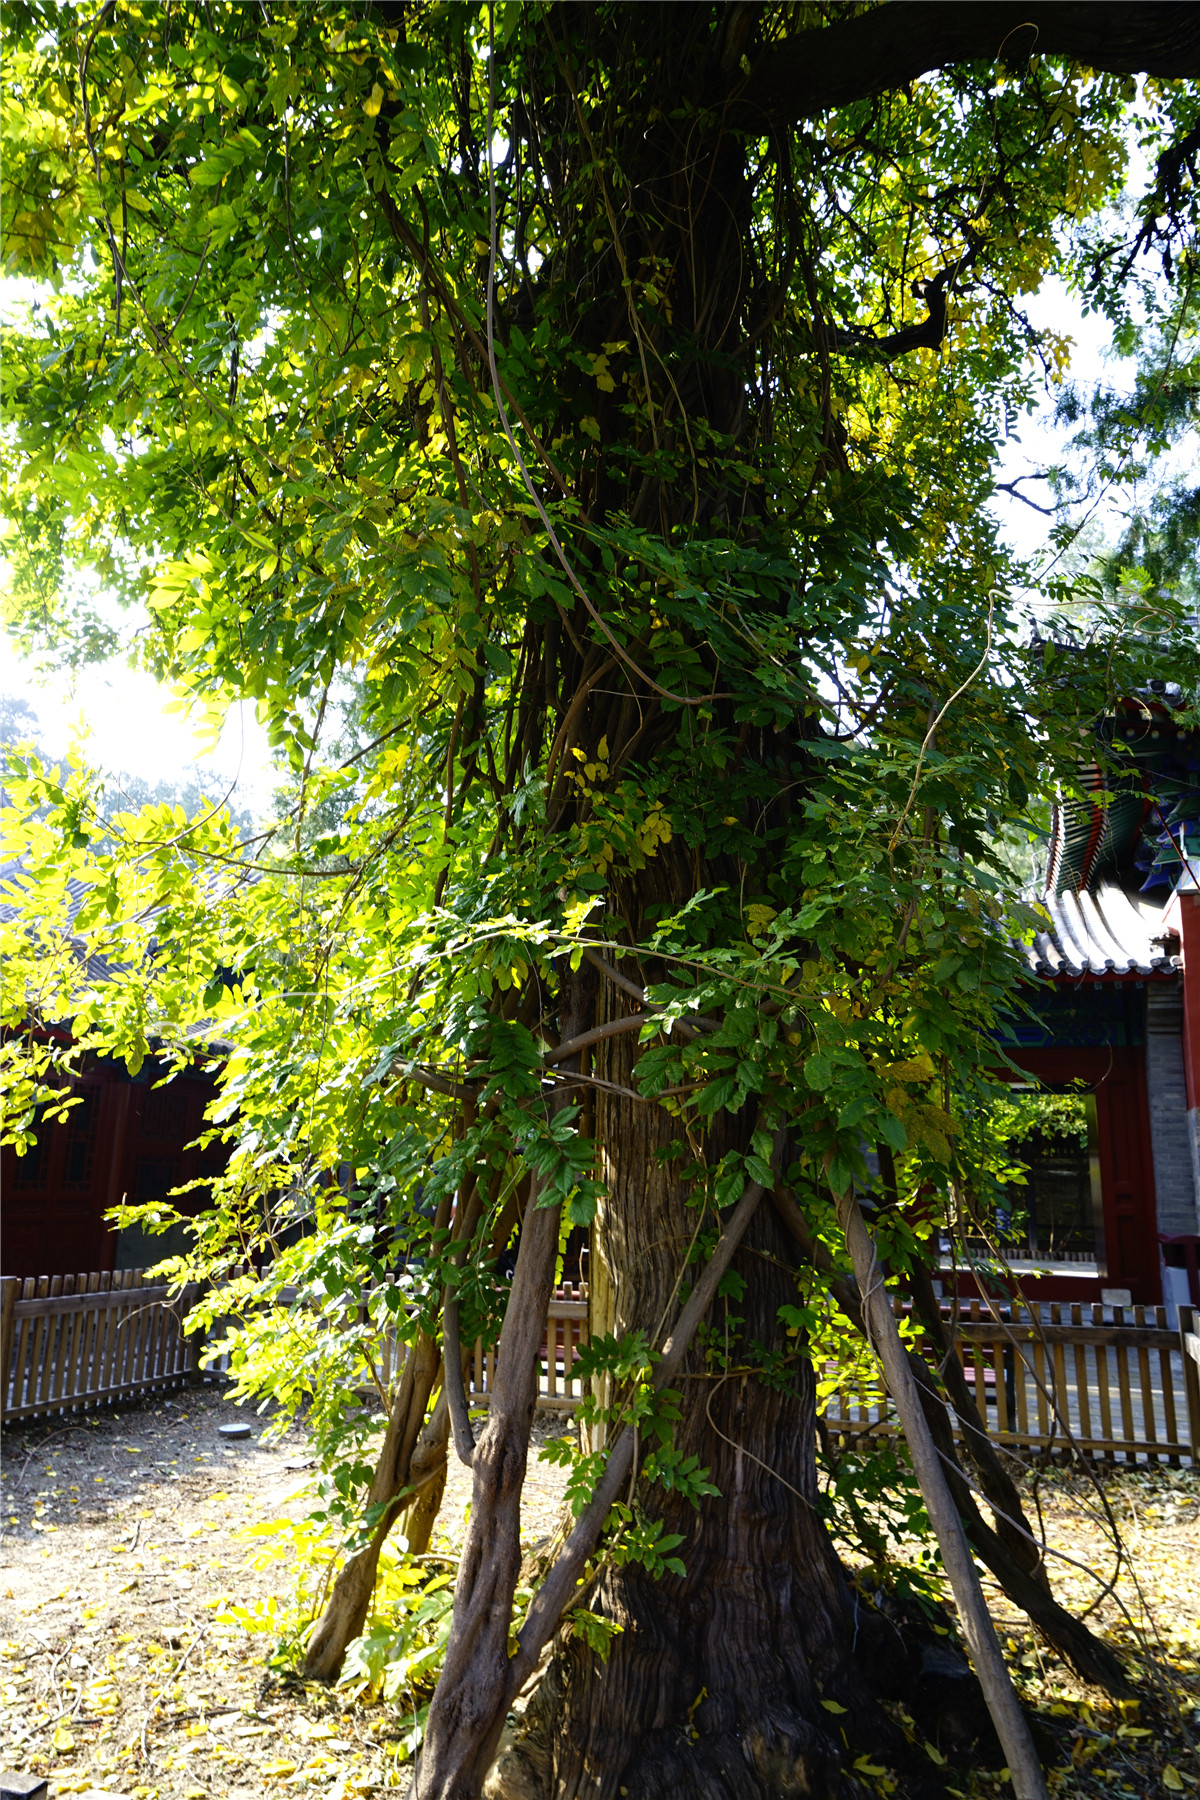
(865, 1766)
(313, 1730)
(832, 1706)
(933, 1753)
(278, 1768)
(373, 103)
(1172, 1779)
(758, 917)
(62, 1738)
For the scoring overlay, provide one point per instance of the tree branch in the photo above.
(694, 1025)
(452, 1377)
(614, 1028)
(926, 335)
(1011, 1725)
(895, 44)
(1017, 1574)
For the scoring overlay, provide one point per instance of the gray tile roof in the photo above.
(97, 968)
(1108, 932)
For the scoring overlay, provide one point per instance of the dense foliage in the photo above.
(583, 460)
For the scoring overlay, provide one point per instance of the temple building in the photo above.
(129, 1137)
(1113, 1020)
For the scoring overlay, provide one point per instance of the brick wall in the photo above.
(1174, 1178)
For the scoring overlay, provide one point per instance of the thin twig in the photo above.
(49, 1439)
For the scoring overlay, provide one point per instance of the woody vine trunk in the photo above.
(759, 1670)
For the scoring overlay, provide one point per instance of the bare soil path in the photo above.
(124, 1545)
(122, 1541)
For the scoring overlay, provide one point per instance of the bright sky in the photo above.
(119, 718)
(1038, 443)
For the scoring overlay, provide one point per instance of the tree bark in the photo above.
(346, 1610)
(474, 1675)
(715, 1682)
(477, 1654)
(427, 1475)
(712, 1685)
(889, 46)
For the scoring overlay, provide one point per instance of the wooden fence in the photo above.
(70, 1342)
(1048, 1379)
(1060, 1378)
(566, 1332)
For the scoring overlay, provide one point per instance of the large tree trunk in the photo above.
(714, 1687)
(761, 1671)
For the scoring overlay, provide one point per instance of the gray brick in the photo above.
(1171, 1129)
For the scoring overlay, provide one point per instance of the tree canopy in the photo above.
(575, 427)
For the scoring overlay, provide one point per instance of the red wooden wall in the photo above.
(1117, 1077)
(127, 1138)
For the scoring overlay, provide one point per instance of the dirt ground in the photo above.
(1156, 1512)
(121, 1542)
(124, 1549)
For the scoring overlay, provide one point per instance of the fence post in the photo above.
(1189, 1346)
(9, 1287)
(189, 1298)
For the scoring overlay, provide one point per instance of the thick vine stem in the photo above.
(456, 1769)
(476, 1662)
(456, 1395)
(476, 1655)
(346, 1610)
(1022, 1578)
(1011, 1725)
